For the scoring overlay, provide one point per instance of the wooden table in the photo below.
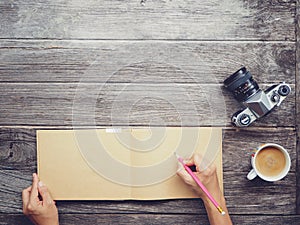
(157, 53)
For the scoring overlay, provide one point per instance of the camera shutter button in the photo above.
(275, 98)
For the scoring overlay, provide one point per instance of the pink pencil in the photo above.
(200, 185)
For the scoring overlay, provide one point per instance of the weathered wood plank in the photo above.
(238, 145)
(150, 62)
(258, 196)
(297, 121)
(152, 219)
(243, 197)
(144, 61)
(18, 161)
(18, 147)
(230, 19)
(127, 104)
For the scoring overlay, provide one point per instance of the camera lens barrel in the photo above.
(241, 84)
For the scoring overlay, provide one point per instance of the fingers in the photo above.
(184, 175)
(190, 161)
(179, 166)
(201, 167)
(43, 190)
(34, 188)
(198, 161)
(26, 196)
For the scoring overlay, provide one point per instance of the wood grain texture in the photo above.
(144, 61)
(153, 219)
(164, 54)
(237, 149)
(18, 162)
(297, 65)
(127, 105)
(280, 197)
(229, 19)
(18, 147)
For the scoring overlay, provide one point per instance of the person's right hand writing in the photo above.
(209, 179)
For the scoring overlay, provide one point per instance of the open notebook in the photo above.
(119, 164)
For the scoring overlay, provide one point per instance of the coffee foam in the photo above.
(270, 161)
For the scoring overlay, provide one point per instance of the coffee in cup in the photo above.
(271, 162)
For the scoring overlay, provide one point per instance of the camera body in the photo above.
(258, 103)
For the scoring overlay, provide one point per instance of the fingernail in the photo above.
(186, 161)
(41, 184)
(180, 167)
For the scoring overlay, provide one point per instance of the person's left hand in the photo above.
(41, 210)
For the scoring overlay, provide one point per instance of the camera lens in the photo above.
(241, 84)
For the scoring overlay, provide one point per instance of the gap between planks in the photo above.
(35, 126)
(148, 40)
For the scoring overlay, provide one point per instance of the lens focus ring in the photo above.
(241, 84)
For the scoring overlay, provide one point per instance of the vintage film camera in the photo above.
(258, 103)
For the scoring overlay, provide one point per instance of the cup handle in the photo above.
(251, 175)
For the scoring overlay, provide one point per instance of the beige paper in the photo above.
(118, 164)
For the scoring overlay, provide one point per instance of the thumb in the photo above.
(34, 188)
(26, 197)
(43, 190)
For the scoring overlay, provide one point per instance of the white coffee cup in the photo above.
(271, 162)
